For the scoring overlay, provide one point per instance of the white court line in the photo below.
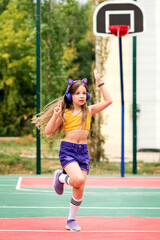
(51, 192)
(110, 178)
(100, 208)
(6, 185)
(25, 187)
(19, 183)
(85, 192)
(91, 186)
(18, 187)
(85, 231)
(37, 186)
(118, 187)
(35, 190)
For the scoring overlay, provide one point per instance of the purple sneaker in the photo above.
(72, 226)
(58, 186)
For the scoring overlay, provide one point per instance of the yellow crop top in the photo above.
(74, 122)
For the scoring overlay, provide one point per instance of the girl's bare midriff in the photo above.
(78, 136)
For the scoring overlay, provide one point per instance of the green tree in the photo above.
(66, 50)
(53, 35)
(78, 22)
(66, 45)
(3, 5)
(17, 61)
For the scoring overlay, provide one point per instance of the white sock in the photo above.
(64, 178)
(74, 207)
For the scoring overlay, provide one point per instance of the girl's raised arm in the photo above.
(107, 100)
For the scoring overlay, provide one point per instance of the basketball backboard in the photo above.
(111, 13)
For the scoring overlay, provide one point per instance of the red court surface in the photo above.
(93, 228)
(94, 182)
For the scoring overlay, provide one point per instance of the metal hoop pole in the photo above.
(38, 87)
(122, 109)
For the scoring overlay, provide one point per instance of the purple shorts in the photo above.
(73, 152)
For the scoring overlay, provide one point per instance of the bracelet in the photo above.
(101, 84)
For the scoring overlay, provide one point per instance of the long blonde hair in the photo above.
(41, 119)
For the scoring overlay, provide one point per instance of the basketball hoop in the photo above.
(120, 18)
(119, 30)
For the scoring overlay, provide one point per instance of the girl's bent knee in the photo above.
(78, 181)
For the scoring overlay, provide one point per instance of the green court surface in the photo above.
(108, 202)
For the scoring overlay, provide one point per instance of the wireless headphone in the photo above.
(70, 83)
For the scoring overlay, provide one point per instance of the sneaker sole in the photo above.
(76, 230)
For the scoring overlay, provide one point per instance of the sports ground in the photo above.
(113, 208)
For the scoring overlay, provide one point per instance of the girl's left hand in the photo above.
(98, 77)
(58, 109)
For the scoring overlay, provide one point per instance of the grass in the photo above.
(18, 156)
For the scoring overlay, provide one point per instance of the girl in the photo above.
(74, 115)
